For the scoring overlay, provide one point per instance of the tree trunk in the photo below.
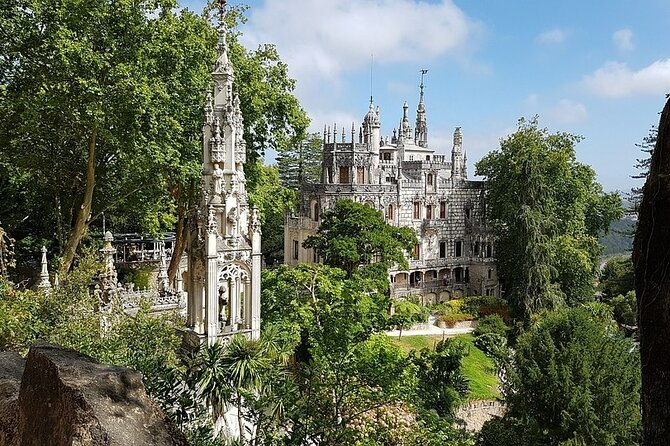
(240, 418)
(179, 243)
(83, 216)
(651, 256)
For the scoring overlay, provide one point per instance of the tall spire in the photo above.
(405, 128)
(421, 130)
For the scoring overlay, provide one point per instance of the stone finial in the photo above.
(44, 283)
(344, 136)
(458, 137)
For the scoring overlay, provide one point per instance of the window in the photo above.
(443, 209)
(458, 274)
(417, 210)
(490, 274)
(296, 248)
(316, 213)
(417, 251)
(429, 179)
(429, 212)
(389, 212)
(344, 175)
(411, 157)
(443, 249)
(459, 248)
(467, 275)
(476, 249)
(360, 175)
(489, 250)
(330, 174)
(427, 157)
(468, 213)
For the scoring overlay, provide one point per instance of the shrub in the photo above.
(493, 344)
(491, 323)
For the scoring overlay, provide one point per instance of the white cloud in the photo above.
(320, 40)
(623, 39)
(568, 112)
(552, 36)
(615, 79)
(532, 100)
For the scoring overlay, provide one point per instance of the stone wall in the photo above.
(474, 414)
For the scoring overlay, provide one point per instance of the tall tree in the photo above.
(97, 98)
(353, 234)
(546, 210)
(651, 256)
(301, 163)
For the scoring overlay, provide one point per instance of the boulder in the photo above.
(11, 369)
(67, 398)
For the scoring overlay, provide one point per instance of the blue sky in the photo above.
(599, 69)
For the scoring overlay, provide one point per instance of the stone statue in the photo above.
(217, 174)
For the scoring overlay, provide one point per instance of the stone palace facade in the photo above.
(411, 185)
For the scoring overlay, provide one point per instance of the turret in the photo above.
(405, 128)
(421, 130)
(371, 130)
(457, 171)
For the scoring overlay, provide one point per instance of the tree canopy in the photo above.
(353, 234)
(546, 210)
(573, 380)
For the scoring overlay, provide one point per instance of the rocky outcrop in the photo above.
(67, 398)
(11, 370)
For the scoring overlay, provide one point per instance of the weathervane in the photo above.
(423, 72)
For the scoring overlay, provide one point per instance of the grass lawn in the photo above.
(477, 367)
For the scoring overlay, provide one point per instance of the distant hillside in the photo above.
(619, 239)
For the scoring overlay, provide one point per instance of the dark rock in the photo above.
(69, 399)
(11, 369)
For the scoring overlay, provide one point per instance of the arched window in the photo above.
(429, 179)
(317, 211)
(389, 212)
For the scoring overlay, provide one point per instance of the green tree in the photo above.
(273, 201)
(301, 163)
(353, 234)
(573, 380)
(405, 314)
(617, 277)
(441, 379)
(103, 97)
(546, 210)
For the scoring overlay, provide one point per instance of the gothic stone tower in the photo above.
(224, 243)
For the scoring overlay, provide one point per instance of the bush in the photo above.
(491, 323)
(625, 308)
(493, 344)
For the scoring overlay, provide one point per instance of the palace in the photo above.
(411, 185)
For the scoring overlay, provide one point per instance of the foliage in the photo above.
(406, 314)
(102, 95)
(441, 379)
(573, 379)
(617, 276)
(272, 201)
(493, 344)
(300, 164)
(625, 308)
(353, 234)
(531, 181)
(491, 323)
